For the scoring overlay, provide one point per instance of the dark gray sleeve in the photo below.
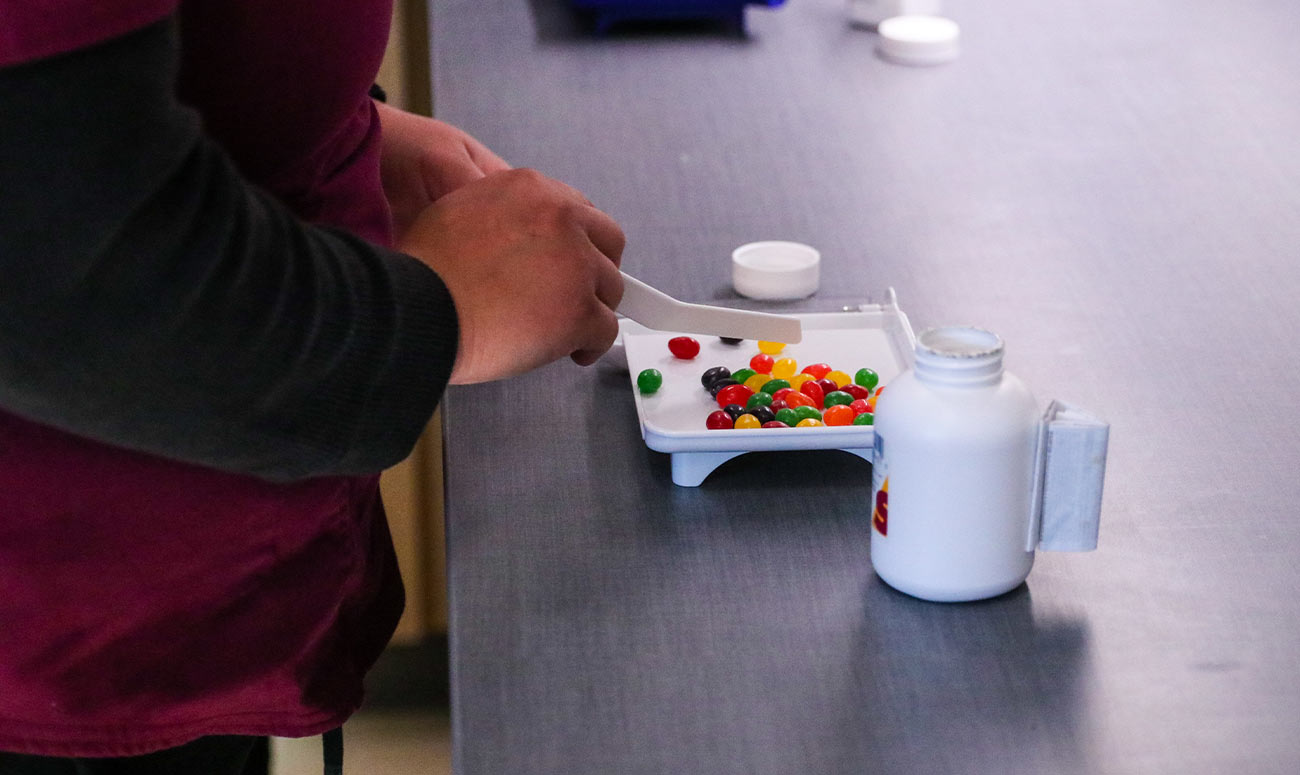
(152, 299)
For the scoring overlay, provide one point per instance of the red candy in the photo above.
(684, 347)
(814, 390)
(775, 424)
(781, 394)
(817, 370)
(719, 421)
(734, 394)
(762, 363)
(857, 391)
(860, 406)
(827, 385)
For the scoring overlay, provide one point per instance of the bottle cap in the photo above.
(919, 40)
(775, 270)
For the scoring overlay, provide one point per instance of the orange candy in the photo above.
(795, 399)
(838, 415)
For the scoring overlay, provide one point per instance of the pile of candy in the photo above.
(774, 393)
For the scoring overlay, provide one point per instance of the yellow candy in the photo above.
(757, 381)
(798, 379)
(839, 377)
(771, 348)
(807, 422)
(746, 421)
(785, 368)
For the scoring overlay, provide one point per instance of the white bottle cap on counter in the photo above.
(919, 40)
(775, 270)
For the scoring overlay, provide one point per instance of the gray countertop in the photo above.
(1112, 186)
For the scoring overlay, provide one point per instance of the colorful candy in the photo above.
(838, 414)
(770, 394)
(719, 420)
(733, 394)
(683, 347)
(720, 384)
(797, 380)
(713, 375)
(808, 413)
(837, 398)
(648, 381)
(857, 391)
(795, 400)
(788, 417)
(813, 389)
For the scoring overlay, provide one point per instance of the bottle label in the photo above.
(879, 487)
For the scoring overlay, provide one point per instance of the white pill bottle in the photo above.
(953, 471)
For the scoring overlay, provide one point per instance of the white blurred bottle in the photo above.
(953, 471)
(870, 13)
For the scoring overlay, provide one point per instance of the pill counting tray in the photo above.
(877, 336)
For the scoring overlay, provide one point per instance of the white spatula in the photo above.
(655, 309)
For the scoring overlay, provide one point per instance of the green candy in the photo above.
(866, 378)
(742, 375)
(773, 385)
(788, 416)
(866, 418)
(837, 398)
(649, 381)
(759, 399)
(807, 413)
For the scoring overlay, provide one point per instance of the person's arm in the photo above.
(152, 299)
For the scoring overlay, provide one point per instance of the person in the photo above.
(233, 288)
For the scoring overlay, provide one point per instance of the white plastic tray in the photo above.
(877, 336)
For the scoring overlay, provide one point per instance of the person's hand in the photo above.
(532, 267)
(422, 159)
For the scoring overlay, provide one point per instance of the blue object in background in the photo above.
(609, 12)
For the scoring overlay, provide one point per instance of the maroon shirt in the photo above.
(146, 602)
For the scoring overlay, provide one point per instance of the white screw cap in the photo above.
(775, 270)
(919, 40)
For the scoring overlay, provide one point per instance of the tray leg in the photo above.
(691, 468)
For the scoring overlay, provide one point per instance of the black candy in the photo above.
(720, 384)
(713, 375)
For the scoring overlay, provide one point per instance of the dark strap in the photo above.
(332, 744)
